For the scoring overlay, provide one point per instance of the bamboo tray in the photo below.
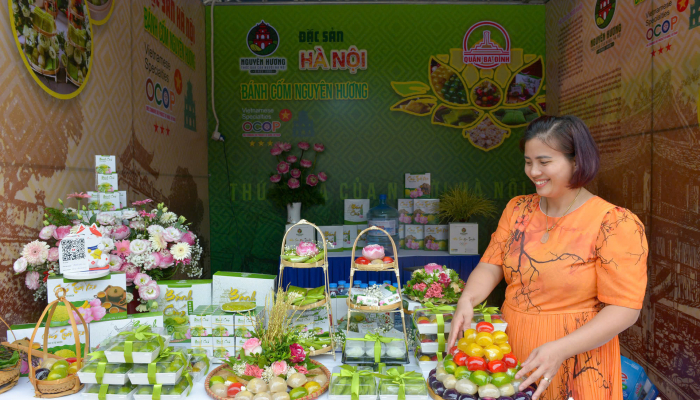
(290, 264)
(385, 308)
(310, 306)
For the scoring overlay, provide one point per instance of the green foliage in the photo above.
(280, 194)
(459, 205)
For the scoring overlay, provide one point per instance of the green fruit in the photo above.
(59, 364)
(500, 378)
(480, 378)
(94, 389)
(140, 369)
(177, 363)
(172, 368)
(56, 375)
(215, 379)
(119, 347)
(124, 389)
(90, 368)
(298, 393)
(144, 390)
(450, 367)
(462, 372)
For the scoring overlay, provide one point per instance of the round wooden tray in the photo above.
(290, 264)
(432, 394)
(389, 307)
(310, 306)
(312, 396)
(320, 351)
(375, 267)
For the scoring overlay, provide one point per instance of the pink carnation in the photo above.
(121, 232)
(319, 147)
(253, 370)
(295, 173)
(445, 279)
(275, 151)
(304, 145)
(322, 176)
(285, 146)
(131, 271)
(275, 178)
(435, 290)
(291, 159)
(282, 167)
(165, 260)
(293, 183)
(419, 287)
(432, 267)
(312, 180)
(306, 163)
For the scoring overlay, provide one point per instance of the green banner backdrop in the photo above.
(386, 89)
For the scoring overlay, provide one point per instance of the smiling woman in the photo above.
(575, 266)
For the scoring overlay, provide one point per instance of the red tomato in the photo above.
(454, 350)
(510, 360)
(460, 359)
(362, 260)
(387, 260)
(232, 391)
(236, 384)
(497, 366)
(71, 360)
(484, 326)
(476, 364)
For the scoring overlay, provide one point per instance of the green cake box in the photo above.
(102, 330)
(103, 298)
(242, 286)
(177, 300)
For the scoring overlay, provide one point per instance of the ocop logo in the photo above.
(258, 126)
(160, 94)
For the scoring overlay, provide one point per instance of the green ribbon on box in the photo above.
(103, 392)
(348, 371)
(157, 389)
(141, 333)
(486, 311)
(96, 355)
(170, 351)
(439, 312)
(100, 372)
(378, 340)
(398, 376)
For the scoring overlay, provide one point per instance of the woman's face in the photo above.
(549, 169)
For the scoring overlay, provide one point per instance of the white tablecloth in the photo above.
(24, 389)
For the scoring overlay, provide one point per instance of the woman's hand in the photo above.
(461, 320)
(545, 362)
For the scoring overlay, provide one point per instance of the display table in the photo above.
(339, 267)
(24, 389)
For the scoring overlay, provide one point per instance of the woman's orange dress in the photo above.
(596, 255)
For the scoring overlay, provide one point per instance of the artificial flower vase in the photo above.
(293, 212)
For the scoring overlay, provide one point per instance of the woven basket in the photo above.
(374, 267)
(312, 396)
(432, 394)
(70, 384)
(9, 376)
(290, 264)
(320, 351)
(310, 306)
(388, 307)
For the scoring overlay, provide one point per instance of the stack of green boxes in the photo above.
(201, 329)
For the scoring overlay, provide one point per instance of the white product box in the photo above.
(222, 324)
(107, 183)
(417, 186)
(229, 341)
(405, 207)
(349, 236)
(102, 330)
(301, 233)
(122, 200)
(402, 237)
(93, 201)
(60, 338)
(109, 201)
(242, 286)
(177, 300)
(362, 241)
(204, 342)
(105, 164)
(464, 238)
(108, 292)
(355, 211)
(425, 211)
(201, 321)
(414, 237)
(221, 354)
(334, 237)
(436, 237)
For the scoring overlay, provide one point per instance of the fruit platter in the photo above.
(53, 369)
(110, 392)
(486, 94)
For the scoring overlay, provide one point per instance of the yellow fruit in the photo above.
(499, 337)
(484, 339)
(474, 350)
(60, 314)
(65, 353)
(312, 386)
(470, 335)
(462, 344)
(497, 321)
(493, 352)
(505, 348)
(424, 358)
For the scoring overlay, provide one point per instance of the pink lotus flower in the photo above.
(322, 176)
(275, 178)
(78, 195)
(307, 249)
(253, 370)
(303, 145)
(297, 353)
(282, 167)
(121, 232)
(419, 287)
(305, 163)
(98, 312)
(61, 232)
(279, 368)
(301, 369)
(286, 146)
(432, 267)
(32, 280)
(122, 248)
(47, 232)
(53, 254)
(115, 263)
(295, 173)
(131, 271)
(373, 252)
(312, 180)
(275, 151)
(189, 238)
(293, 183)
(291, 159)
(86, 313)
(319, 147)
(150, 291)
(95, 303)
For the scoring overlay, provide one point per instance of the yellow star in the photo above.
(269, 143)
(285, 116)
(261, 143)
(252, 143)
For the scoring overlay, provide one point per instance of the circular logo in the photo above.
(285, 115)
(604, 11)
(681, 5)
(178, 81)
(262, 39)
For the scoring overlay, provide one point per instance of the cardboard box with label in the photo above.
(414, 237)
(362, 241)
(402, 237)
(355, 211)
(102, 330)
(242, 286)
(177, 300)
(405, 207)
(244, 325)
(109, 201)
(417, 186)
(107, 183)
(206, 344)
(93, 201)
(334, 237)
(201, 321)
(425, 211)
(464, 238)
(108, 292)
(436, 237)
(61, 341)
(105, 164)
(349, 236)
(222, 323)
(301, 233)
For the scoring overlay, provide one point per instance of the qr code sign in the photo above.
(72, 249)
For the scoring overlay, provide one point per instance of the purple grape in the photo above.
(467, 397)
(431, 380)
(41, 373)
(530, 389)
(522, 396)
(450, 394)
(505, 398)
(487, 398)
(432, 372)
(438, 388)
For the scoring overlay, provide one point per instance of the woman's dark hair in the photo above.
(569, 135)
